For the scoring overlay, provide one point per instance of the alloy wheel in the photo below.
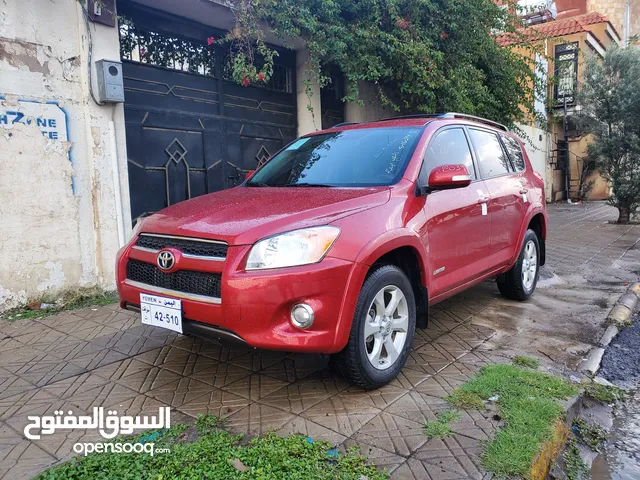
(386, 326)
(529, 265)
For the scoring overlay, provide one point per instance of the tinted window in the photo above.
(448, 147)
(492, 160)
(515, 152)
(362, 157)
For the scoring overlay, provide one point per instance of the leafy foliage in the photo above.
(421, 55)
(611, 113)
(216, 454)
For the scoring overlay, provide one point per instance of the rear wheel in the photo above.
(382, 329)
(520, 282)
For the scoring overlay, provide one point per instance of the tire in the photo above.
(516, 285)
(389, 344)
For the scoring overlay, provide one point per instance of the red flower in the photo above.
(143, 51)
(210, 41)
(261, 77)
(444, 35)
(402, 23)
(245, 81)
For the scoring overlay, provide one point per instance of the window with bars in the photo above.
(154, 48)
(566, 74)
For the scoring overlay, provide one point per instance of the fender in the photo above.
(533, 210)
(392, 239)
(367, 256)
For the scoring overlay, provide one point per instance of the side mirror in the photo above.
(249, 173)
(445, 177)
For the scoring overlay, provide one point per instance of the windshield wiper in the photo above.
(304, 184)
(257, 184)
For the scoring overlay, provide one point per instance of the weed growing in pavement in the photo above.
(465, 400)
(603, 393)
(575, 468)
(207, 422)
(70, 300)
(528, 403)
(591, 434)
(441, 427)
(527, 362)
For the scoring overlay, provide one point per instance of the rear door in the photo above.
(457, 232)
(504, 188)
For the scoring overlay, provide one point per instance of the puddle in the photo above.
(621, 460)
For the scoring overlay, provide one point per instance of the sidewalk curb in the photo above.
(619, 317)
(551, 450)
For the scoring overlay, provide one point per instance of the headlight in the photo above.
(299, 247)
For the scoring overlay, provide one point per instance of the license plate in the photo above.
(161, 312)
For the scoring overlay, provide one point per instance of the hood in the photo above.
(243, 215)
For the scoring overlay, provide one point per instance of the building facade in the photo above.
(106, 119)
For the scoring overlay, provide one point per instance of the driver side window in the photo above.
(447, 147)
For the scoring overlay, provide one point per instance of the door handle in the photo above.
(483, 200)
(523, 191)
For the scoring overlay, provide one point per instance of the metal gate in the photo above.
(190, 131)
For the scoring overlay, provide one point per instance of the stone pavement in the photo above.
(104, 357)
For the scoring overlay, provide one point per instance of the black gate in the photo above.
(189, 130)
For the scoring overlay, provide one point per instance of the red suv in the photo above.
(342, 240)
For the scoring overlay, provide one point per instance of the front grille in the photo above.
(185, 245)
(185, 281)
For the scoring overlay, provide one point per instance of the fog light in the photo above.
(302, 315)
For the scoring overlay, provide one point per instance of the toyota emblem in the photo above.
(166, 260)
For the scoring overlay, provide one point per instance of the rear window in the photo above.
(359, 157)
(515, 152)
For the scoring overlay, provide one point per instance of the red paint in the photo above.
(445, 228)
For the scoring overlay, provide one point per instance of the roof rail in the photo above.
(450, 115)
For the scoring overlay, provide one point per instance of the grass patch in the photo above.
(603, 393)
(70, 300)
(526, 362)
(215, 454)
(465, 400)
(441, 427)
(528, 403)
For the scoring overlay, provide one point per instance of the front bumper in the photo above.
(254, 306)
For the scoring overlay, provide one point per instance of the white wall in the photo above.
(537, 142)
(53, 237)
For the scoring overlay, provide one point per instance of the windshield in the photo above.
(349, 158)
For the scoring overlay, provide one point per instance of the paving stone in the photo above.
(392, 433)
(383, 459)
(257, 419)
(300, 396)
(19, 458)
(340, 414)
(307, 428)
(222, 374)
(379, 398)
(254, 386)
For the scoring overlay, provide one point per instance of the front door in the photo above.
(457, 231)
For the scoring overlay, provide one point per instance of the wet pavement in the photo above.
(621, 366)
(104, 357)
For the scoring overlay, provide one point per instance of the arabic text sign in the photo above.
(110, 425)
(48, 117)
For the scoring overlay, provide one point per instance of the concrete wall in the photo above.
(537, 143)
(58, 215)
(371, 107)
(616, 12)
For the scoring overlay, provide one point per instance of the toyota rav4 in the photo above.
(341, 241)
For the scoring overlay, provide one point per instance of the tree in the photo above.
(609, 97)
(422, 55)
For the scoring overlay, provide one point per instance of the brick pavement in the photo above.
(104, 357)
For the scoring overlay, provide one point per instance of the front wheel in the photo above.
(520, 282)
(382, 330)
